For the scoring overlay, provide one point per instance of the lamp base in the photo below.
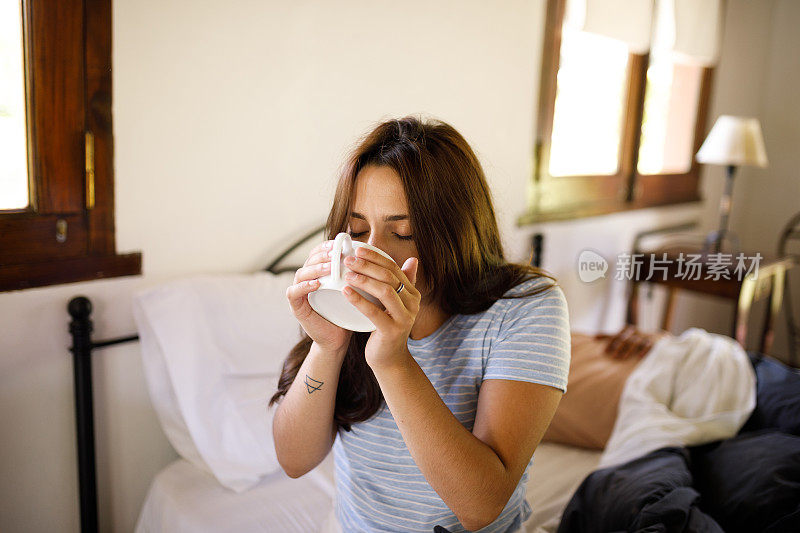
(714, 240)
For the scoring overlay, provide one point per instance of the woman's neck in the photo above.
(429, 318)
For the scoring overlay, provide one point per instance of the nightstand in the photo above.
(740, 277)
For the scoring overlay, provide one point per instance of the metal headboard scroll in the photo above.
(80, 328)
(273, 266)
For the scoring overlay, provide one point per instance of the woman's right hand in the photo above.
(327, 335)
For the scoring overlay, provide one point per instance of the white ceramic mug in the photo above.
(329, 301)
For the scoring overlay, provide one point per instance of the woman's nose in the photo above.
(376, 242)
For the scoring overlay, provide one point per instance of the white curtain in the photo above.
(690, 29)
(698, 30)
(624, 20)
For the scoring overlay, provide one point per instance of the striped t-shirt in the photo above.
(379, 486)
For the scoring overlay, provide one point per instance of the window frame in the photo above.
(68, 79)
(567, 197)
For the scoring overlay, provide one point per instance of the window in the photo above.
(13, 125)
(588, 122)
(56, 167)
(618, 123)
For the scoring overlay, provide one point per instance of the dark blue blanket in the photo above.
(750, 482)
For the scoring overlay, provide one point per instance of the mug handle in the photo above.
(336, 258)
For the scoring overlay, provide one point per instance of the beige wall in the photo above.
(230, 122)
(771, 196)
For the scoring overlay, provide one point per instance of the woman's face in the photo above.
(380, 215)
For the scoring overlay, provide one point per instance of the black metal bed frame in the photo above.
(80, 327)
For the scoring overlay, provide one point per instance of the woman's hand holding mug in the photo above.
(381, 277)
(347, 286)
(329, 337)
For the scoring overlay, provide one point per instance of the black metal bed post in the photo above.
(81, 329)
(536, 247)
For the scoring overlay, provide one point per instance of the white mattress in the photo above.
(184, 499)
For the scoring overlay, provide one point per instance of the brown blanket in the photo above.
(588, 410)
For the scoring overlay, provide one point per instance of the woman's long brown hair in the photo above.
(455, 231)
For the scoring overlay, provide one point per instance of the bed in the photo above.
(183, 498)
(225, 481)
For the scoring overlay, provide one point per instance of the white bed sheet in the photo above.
(184, 499)
(557, 471)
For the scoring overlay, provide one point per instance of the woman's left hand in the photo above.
(380, 277)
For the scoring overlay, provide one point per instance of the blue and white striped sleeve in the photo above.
(533, 342)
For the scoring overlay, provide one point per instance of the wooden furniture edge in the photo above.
(69, 270)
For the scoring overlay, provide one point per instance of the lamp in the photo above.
(733, 142)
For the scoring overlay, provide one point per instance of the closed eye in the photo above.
(401, 237)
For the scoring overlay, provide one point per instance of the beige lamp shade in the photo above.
(734, 141)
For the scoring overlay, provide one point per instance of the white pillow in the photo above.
(213, 348)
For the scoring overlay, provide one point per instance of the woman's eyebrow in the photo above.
(388, 218)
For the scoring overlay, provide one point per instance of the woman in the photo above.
(438, 411)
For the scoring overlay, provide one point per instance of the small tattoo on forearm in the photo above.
(312, 384)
